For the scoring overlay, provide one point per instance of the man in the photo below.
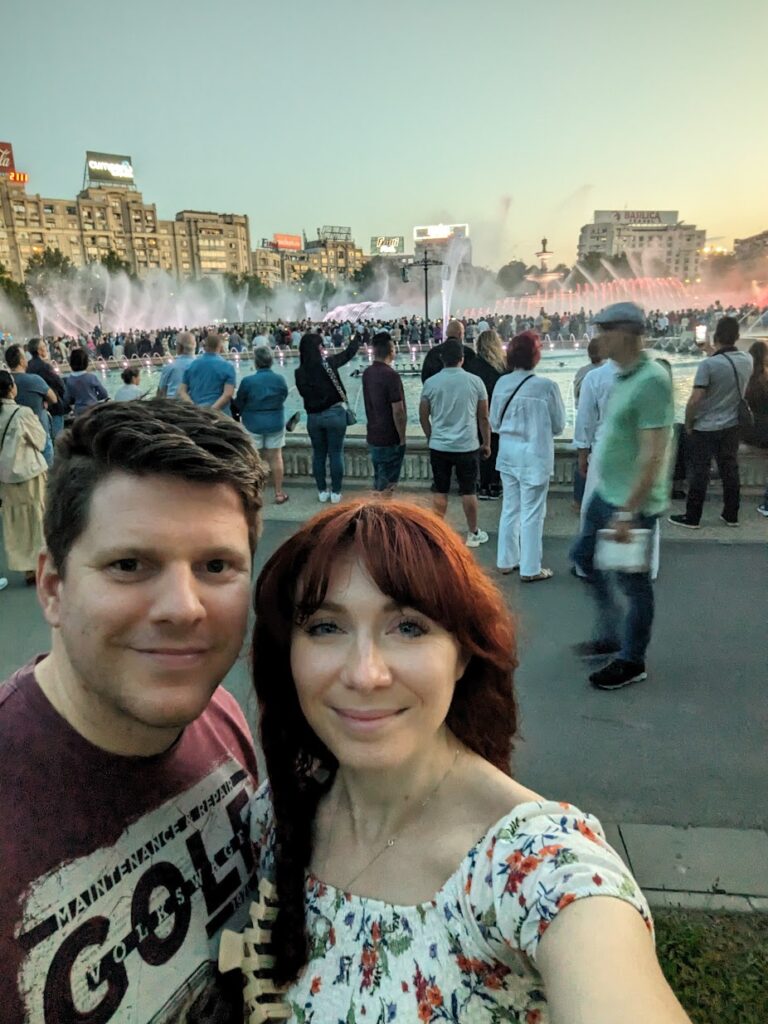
(39, 363)
(34, 393)
(453, 409)
(632, 491)
(385, 415)
(580, 475)
(210, 380)
(712, 425)
(172, 375)
(127, 771)
(433, 360)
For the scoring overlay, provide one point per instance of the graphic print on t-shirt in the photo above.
(104, 933)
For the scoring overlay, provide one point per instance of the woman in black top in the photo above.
(323, 393)
(489, 365)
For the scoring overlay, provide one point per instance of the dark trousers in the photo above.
(490, 478)
(723, 447)
(633, 629)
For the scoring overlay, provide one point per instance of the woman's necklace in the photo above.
(395, 835)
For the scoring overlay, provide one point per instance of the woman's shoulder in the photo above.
(533, 862)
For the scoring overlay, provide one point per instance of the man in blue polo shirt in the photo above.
(210, 380)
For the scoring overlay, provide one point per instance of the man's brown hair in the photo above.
(158, 438)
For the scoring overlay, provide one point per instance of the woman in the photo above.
(129, 390)
(324, 397)
(415, 879)
(82, 389)
(489, 366)
(757, 396)
(23, 471)
(527, 413)
(261, 401)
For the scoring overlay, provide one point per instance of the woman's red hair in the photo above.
(419, 562)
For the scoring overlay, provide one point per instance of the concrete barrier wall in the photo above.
(297, 456)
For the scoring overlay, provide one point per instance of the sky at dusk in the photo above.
(520, 119)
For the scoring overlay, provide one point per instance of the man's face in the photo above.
(152, 611)
(609, 342)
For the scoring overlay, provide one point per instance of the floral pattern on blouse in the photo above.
(468, 956)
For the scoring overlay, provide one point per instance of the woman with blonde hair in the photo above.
(404, 874)
(489, 366)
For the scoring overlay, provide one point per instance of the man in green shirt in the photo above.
(632, 493)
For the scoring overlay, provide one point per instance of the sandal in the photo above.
(281, 499)
(506, 572)
(545, 574)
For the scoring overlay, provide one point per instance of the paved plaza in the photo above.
(675, 766)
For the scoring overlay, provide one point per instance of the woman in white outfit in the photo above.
(527, 413)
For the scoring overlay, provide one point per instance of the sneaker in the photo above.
(682, 521)
(484, 495)
(763, 509)
(729, 522)
(596, 648)
(618, 674)
(323, 495)
(335, 498)
(474, 540)
(3, 582)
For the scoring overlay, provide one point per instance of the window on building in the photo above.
(72, 211)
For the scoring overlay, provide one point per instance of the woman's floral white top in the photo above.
(469, 954)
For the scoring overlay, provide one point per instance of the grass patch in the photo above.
(717, 964)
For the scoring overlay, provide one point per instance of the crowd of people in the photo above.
(493, 423)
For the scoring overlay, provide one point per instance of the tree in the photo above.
(511, 276)
(114, 264)
(16, 293)
(46, 268)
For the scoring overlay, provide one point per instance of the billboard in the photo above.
(627, 218)
(292, 243)
(387, 245)
(7, 165)
(440, 232)
(110, 168)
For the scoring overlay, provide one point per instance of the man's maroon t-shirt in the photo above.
(382, 387)
(118, 873)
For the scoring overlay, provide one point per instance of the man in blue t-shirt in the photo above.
(173, 373)
(32, 392)
(210, 380)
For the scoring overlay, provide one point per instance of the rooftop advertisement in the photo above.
(387, 245)
(7, 165)
(292, 243)
(111, 168)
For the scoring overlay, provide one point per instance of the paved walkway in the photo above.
(675, 767)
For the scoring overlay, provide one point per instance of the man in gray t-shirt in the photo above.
(712, 423)
(454, 416)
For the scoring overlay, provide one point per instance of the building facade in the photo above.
(333, 254)
(753, 248)
(653, 241)
(114, 216)
(435, 240)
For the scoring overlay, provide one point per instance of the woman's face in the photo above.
(374, 681)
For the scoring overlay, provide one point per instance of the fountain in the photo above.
(544, 278)
(457, 253)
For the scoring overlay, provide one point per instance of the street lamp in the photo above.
(426, 263)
